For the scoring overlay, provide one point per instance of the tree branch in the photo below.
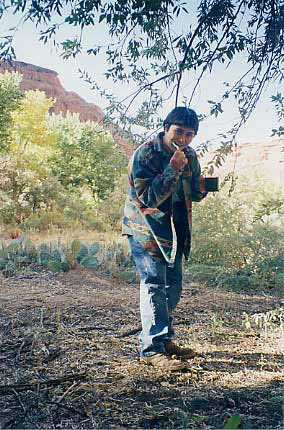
(215, 50)
(181, 66)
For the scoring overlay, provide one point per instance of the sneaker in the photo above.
(173, 349)
(163, 362)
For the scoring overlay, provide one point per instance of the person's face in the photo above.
(178, 134)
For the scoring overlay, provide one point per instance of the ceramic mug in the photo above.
(212, 184)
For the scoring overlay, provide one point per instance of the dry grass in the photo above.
(63, 236)
(66, 360)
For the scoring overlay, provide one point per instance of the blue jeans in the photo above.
(160, 291)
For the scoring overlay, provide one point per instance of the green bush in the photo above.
(42, 220)
(218, 236)
(231, 249)
(110, 214)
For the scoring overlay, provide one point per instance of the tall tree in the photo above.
(10, 97)
(32, 140)
(24, 171)
(86, 156)
(30, 125)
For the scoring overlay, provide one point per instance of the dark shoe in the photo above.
(163, 362)
(173, 349)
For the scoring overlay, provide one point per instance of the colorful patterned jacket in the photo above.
(148, 206)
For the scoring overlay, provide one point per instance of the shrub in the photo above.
(231, 249)
(111, 209)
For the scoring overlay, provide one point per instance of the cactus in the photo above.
(94, 248)
(3, 253)
(83, 252)
(43, 254)
(75, 247)
(3, 263)
(57, 266)
(58, 257)
(128, 275)
(10, 268)
(29, 249)
(90, 262)
(87, 251)
(54, 257)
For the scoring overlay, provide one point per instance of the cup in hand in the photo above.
(211, 184)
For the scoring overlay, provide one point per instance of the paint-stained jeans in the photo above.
(160, 291)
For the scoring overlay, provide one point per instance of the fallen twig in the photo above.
(4, 389)
(68, 408)
(75, 383)
(19, 351)
(19, 400)
(91, 327)
(130, 332)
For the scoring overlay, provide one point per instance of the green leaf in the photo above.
(233, 423)
(94, 248)
(54, 266)
(2, 263)
(84, 250)
(90, 262)
(128, 275)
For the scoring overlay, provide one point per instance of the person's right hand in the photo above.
(178, 160)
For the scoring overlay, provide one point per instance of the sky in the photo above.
(30, 50)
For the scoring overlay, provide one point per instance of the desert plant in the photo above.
(111, 258)
(86, 254)
(271, 321)
(16, 254)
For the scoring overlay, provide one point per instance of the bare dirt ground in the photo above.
(69, 358)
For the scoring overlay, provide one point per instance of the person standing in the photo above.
(164, 178)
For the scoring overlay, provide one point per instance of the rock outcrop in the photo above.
(39, 78)
(42, 79)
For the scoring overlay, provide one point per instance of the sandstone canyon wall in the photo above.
(39, 78)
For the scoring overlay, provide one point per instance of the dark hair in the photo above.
(183, 116)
